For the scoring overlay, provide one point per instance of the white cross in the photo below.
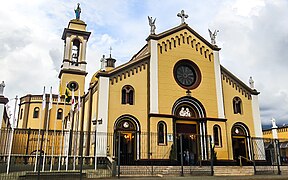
(182, 15)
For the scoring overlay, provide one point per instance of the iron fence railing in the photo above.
(34, 150)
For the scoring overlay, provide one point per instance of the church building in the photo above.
(173, 92)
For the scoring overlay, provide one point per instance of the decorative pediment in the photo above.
(181, 35)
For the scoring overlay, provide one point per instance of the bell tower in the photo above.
(73, 68)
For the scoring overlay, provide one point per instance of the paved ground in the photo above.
(256, 177)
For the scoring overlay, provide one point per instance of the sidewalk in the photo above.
(256, 177)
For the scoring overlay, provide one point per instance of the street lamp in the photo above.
(95, 122)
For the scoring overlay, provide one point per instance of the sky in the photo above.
(253, 37)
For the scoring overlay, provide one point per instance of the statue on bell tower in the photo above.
(78, 11)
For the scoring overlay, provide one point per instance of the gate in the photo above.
(266, 156)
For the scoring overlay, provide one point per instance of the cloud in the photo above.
(253, 38)
(256, 41)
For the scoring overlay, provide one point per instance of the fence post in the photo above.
(119, 153)
(81, 153)
(40, 158)
(212, 155)
(181, 153)
(278, 155)
(252, 140)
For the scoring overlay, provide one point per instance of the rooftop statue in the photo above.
(78, 11)
(273, 123)
(213, 36)
(251, 83)
(152, 25)
(2, 85)
(103, 63)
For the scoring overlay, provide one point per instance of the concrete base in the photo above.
(75, 175)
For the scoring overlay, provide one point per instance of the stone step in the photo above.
(233, 170)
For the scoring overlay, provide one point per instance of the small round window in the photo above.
(72, 85)
(187, 74)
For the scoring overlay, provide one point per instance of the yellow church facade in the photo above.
(171, 96)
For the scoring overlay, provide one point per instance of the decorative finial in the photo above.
(182, 15)
(78, 11)
(251, 83)
(110, 51)
(152, 25)
(273, 123)
(213, 36)
(2, 85)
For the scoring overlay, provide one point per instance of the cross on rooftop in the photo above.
(182, 15)
(110, 51)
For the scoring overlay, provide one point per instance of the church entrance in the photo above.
(240, 143)
(189, 143)
(188, 111)
(127, 147)
(126, 141)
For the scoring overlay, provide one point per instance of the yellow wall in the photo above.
(282, 133)
(86, 114)
(222, 151)
(66, 78)
(139, 110)
(246, 117)
(33, 123)
(170, 91)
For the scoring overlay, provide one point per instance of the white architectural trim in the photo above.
(102, 113)
(201, 141)
(67, 47)
(256, 116)
(219, 91)
(2, 107)
(84, 46)
(204, 138)
(154, 77)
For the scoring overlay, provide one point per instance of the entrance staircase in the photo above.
(187, 170)
(233, 171)
(163, 170)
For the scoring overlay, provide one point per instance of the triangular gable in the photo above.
(179, 28)
(143, 52)
(237, 83)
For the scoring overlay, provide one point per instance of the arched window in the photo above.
(36, 112)
(237, 105)
(161, 132)
(128, 95)
(59, 113)
(75, 52)
(217, 136)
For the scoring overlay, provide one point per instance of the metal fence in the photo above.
(39, 151)
(269, 155)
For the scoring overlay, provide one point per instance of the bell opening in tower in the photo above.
(75, 52)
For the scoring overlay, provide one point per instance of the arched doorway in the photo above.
(240, 141)
(127, 130)
(188, 112)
